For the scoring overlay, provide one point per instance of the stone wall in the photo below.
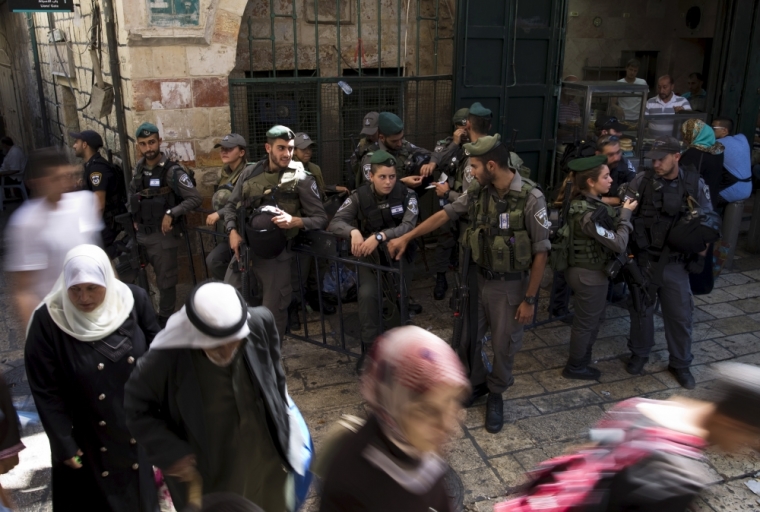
(638, 25)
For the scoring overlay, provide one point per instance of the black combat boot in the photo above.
(579, 370)
(636, 364)
(313, 300)
(477, 392)
(294, 320)
(414, 308)
(441, 285)
(683, 376)
(494, 413)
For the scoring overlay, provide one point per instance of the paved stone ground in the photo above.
(545, 413)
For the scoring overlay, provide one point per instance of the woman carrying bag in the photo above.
(82, 344)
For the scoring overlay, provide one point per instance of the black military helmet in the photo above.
(265, 239)
(694, 231)
(415, 161)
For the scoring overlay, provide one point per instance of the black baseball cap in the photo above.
(232, 140)
(662, 147)
(610, 123)
(92, 138)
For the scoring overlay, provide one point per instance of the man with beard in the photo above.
(666, 102)
(278, 182)
(621, 170)
(508, 235)
(209, 403)
(106, 181)
(161, 193)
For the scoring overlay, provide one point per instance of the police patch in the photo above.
(543, 218)
(413, 205)
(185, 180)
(706, 190)
(95, 178)
(466, 152)
(503, 221)
(396, 210)
(367, 169)
(345, 204)
(315, 188)
(438, 149)
(606, 233)
(468, 174)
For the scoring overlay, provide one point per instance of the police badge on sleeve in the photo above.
(345, 204)
(185, 180)
(468, 174)
(543, 218)
(315, 188)
(413, 205)
(367, 171)
(96, 178)
(606, 233)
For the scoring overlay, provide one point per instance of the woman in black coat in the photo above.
(82, 344)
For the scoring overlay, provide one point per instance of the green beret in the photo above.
(588, 163)
(460, 116)
(483, 145)
(383, 157)
(389, 123)
(280, 132)
(146, 130)
(479, 110)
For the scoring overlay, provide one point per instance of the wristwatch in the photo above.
(169, 213)
(227, 231)
(379, 237)
(530, 300)
(446, 194)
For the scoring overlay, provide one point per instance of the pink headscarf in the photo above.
(404, 363)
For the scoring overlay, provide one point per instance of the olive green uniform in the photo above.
(401, 155)
(154, 190)
(591, 247)
(350, 217)
(220, 256)
(503, 245)
(297, 194)
(362, 148)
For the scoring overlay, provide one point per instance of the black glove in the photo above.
(696, 265)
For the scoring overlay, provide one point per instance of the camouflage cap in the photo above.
(476, 109)
(146, 130)
(280, 132)
(390, 124)
(460, 116)
(588, 163)
(383, 157)
(483, 145)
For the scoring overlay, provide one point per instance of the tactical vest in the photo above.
(225, 187)
(116, 203)
(660, 208)
(585, 251)
(258, 191)
(497, 232)
(375, 215)
(460, 178)
(154, 195)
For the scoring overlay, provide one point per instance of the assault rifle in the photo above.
(460, 299)
(134, 271)
(244, 258)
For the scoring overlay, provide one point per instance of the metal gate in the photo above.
(319, 66)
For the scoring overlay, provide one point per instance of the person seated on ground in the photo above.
(81, 348)
(209, 401)
(696, 95)
(736, 184)
(44, 229)
(647, 453)
(414, 385)
(704, 154)
(374, 213)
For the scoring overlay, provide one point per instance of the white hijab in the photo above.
(89, 264)
(217, 305)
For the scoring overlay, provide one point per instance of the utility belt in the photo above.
(655, 258)
(147, 230)
(490, 275)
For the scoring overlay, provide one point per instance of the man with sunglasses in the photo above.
(621, 170)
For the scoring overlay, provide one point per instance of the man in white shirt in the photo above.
(666, 102)
(631, 106)
(44, 229)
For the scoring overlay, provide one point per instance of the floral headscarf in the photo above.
(698, 135)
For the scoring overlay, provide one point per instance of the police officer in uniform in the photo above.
(232, 149)
(303, 152)
(595, 234)
(106, 181)
(391, 139)
(508, 234)
(621, 170)
(447, 150)
(161, 194)
(275, 179)
(369, 132)
(376, 212)
(664, 193)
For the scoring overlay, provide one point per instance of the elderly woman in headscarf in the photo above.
(414, 385)
(81, 346)
(705, 154)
